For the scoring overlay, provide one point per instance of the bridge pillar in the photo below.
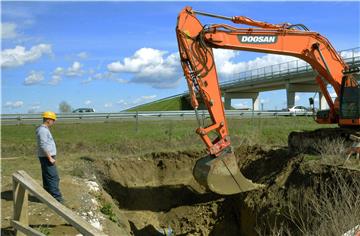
(290, 98)
(254, 96)
(292, 89)
(256, 102)
(322, 102)
(227, 102)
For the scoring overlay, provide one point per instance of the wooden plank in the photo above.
(32, 186)
(27, 230)
(20, 201)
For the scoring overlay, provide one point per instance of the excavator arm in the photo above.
(196, 42)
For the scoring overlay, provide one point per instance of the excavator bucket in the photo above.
(222, 175)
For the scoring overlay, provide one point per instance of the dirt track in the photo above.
(156, 193)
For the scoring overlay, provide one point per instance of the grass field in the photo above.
(126, 138)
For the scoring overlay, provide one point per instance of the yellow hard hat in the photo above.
(49, 115)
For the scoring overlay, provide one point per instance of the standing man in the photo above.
(47, 155)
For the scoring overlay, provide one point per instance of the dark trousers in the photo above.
(50, 178)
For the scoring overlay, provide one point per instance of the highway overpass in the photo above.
(294, 76)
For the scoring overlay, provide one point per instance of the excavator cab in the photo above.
(350, 98)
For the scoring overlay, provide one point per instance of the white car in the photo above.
(84, 110)
(297, 109)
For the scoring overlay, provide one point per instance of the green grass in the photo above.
(107, 209)
(121, 138)
(173, 104)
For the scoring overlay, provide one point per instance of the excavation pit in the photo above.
(156, 194)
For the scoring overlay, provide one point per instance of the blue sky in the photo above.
(113, 55)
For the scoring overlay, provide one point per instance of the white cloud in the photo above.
(240, 105)
(107, 105)
(34, 109)
(227, 68)
(34, 77)
(333, 95)
(123, 103)
(8, 30)
(75, 70)
(82, 55)
(154, 67)
(142, 58)
(56, 76)
(104, 76)
(137, 101)
(19, 56)
(349, 54)
(55, 79)
(59, 71)
(143, 99)
(297, 98)
(14, 105)
(87, 102)
(160, 69)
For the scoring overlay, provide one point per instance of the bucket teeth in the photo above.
(222, 175)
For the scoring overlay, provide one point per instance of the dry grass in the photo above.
(332, 151)
(327, 208)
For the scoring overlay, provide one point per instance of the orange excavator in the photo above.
(219, 171)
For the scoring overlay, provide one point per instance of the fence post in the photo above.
(19, 119)
(203, 118)
(137, 122)
(353, 56)
(20, 200)
(170, 132)
(297, 66)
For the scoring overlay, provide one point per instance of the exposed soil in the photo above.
(156, 193)
(79, 198)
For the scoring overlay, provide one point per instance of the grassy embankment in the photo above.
(172, 104)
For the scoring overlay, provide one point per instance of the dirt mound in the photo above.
(157, 194)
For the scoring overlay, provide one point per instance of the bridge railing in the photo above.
(350, 56)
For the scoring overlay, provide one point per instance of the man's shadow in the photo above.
(8, 196)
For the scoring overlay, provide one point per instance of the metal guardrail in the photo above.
(154, 115)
